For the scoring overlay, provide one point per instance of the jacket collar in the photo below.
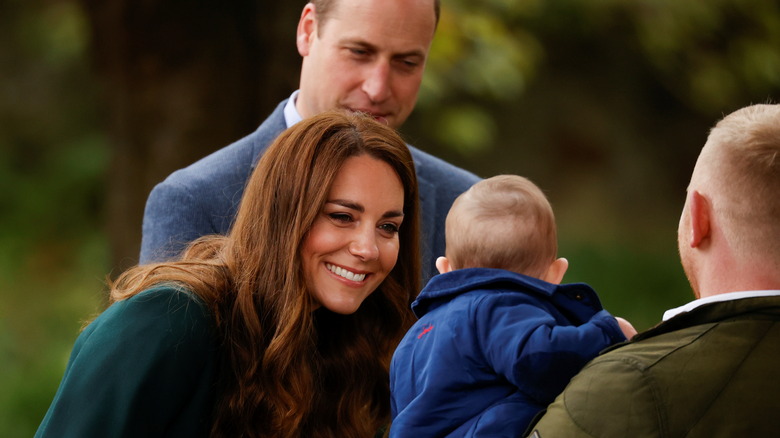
(268, 131)
(759, 307)
(444, 287)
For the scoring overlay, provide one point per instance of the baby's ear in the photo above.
(443, 265)
(556, 271)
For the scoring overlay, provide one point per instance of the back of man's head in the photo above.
(739, 169)
(503, 222)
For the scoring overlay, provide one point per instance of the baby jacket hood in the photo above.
(443, 287)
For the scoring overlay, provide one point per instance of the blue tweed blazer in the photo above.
(203, 198)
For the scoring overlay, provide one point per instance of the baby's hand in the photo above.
(628, 330)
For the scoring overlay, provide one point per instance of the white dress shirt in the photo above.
(291, 115)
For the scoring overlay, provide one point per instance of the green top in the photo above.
(145, 367)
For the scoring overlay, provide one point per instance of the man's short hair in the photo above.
(322, 9)
(741, 162)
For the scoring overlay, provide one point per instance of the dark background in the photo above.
(605, 105)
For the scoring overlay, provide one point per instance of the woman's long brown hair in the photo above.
(286, 369)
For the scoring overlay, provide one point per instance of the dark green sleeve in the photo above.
(144, 367)
(611, 398)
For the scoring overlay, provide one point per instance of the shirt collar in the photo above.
(291, 115)
(718, 298)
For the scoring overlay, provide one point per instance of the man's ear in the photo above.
(443, 265)
(700, 210)
(307, 28)
(556, 271)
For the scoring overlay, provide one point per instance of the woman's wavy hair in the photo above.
(286, 369)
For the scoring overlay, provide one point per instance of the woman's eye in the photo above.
(389, 228)
(340, 217)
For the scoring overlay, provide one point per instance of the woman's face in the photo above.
(353, 244)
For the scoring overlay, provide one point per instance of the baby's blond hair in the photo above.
(503, 222)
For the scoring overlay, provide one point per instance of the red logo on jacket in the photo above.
(426, 329)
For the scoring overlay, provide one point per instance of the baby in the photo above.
(498, 338)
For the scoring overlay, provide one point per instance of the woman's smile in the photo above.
(345, 273)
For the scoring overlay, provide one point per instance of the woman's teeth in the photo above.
(341, 272)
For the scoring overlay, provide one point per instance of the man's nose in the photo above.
(376, 84)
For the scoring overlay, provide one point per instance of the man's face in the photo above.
(368, 55)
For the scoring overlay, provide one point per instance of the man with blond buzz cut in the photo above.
(710, 368)
(357, 55)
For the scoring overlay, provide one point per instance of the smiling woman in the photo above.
(353, 245)
(284, 327)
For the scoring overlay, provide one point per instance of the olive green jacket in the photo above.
(144, 368)
(710, 372)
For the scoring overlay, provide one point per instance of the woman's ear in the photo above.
(443, 265)
(556, 271)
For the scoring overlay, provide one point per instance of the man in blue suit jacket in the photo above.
(359, 55)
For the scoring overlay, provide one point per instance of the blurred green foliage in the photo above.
(52, 164)
(710, 55)
(564, 91)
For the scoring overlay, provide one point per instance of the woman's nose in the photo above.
(364, 245)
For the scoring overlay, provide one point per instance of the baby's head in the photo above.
(503, 222)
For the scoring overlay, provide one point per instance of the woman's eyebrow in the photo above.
(352, 205)
(348, 204)
(393, 213)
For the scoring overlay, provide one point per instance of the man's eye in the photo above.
(407, 64)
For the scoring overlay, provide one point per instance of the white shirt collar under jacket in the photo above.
(291, 115)
(717, 298)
